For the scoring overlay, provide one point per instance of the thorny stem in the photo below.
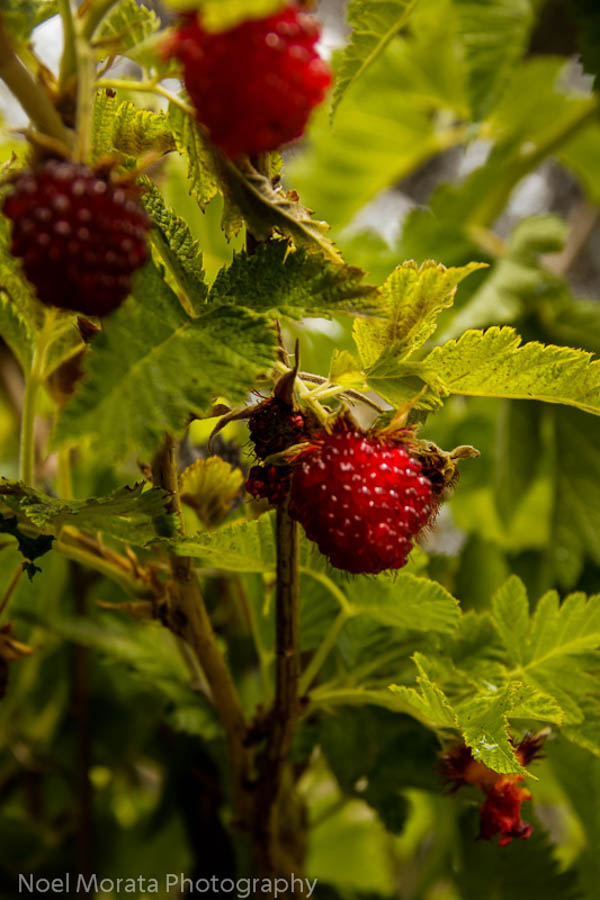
(29, 93)
(33, 381)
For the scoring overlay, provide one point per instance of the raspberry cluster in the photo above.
(362, 499)
(80, 236)
(274, 426)
(254, 85)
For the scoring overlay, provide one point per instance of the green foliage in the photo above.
(494, 363)
(115, 405)
(193, 145)
(278, 281)
(177, 249)
(128, 514)
(524, 869)
(374, 24)
(21, 315)
(411, 300)
(123, 127)
(456, 647)
(127, 25)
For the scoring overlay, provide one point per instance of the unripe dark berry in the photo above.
(253, 86)
(79, 235)
(274, 426)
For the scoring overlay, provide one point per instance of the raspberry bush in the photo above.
(299, 510)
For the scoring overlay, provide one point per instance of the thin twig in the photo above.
(189, 619)
(32, 97)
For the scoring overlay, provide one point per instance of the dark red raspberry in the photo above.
(255, 85)
(271, 483)
(79, 235)
(362, 499)
(275, 426)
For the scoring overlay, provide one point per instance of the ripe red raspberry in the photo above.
(255, 85)
(80, 236)
(362, 499)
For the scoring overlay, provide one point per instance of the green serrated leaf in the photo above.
(429, 703)
(123, 127)
(510, 609)
(269, 209)
(291, 283)
(408, 601)
(483, 721)
(30, 546)
(21, 314)
(242, 546)
(411, 300)
(344, 369)
(20, 17)
(126, 26)
(554, 649)
(494, 363)
(192, 143)
(128, 514)
(153, 366)
(374, 24)
(494, 35)
(178, 250)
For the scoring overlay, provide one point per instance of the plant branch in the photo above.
(189, 618)
(32, 97)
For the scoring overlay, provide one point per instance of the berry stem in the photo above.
(27, 444)
(33, 381)
(32, 97)
(68, 62)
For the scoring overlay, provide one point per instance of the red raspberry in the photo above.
(255, 85)
(80, 236)
(275, 426)
(361, 499)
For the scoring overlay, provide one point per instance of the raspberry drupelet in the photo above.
(253, 86)
(79, 235)
(361, 498)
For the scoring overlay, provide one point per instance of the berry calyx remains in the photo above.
(361, 498)
(79, 235)
(254, 85)
(500, 813)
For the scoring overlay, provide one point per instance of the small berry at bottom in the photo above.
(362, 499)
(253, 86)
(80, 236)
(271, 483)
